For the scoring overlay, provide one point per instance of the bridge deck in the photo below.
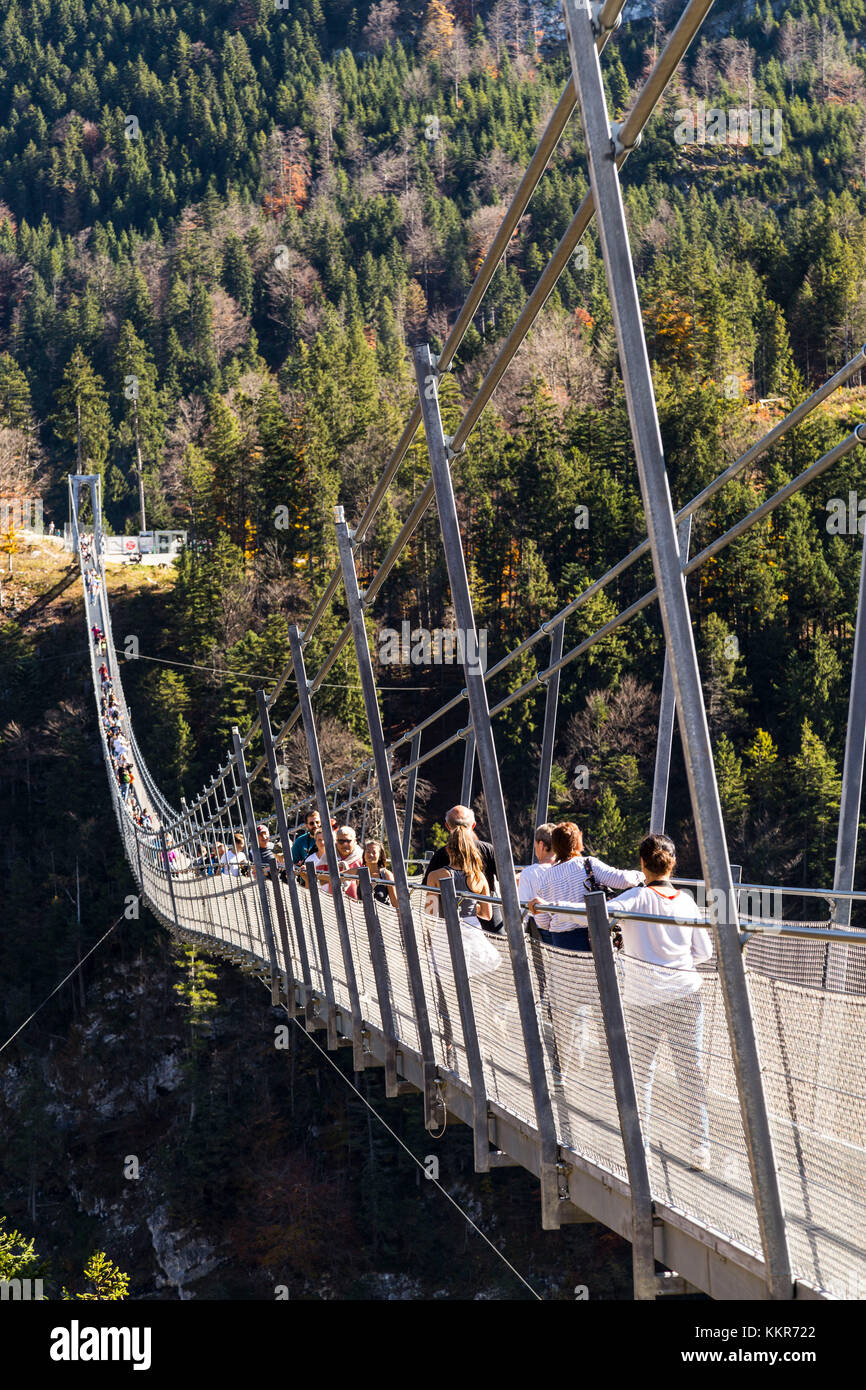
(817, 1102)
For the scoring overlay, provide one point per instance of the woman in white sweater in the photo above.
(663, 993)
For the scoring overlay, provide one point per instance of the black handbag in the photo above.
(592, 885)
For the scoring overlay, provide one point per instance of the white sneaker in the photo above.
(700, 1159)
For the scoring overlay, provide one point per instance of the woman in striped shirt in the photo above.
(567, 989)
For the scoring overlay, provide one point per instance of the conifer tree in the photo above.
(81, 419)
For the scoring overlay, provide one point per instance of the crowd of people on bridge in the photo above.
(659, 948)
(117, 743)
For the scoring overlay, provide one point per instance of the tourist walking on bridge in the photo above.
(317, 861)
(375, 861)
(570, 989)
(232, 860)
(663, 995)
(531, 881)
(462, 815)
(349, 858)
(466, 867)
(271, 865)
(304, 844)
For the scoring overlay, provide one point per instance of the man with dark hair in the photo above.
(270, 863)
(304, 844)
(568, 989)
(462, 815)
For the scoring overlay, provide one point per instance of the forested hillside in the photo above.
(227, 225)
(252, 212)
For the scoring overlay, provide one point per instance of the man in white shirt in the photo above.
(349, 858)
(530, 883)
(662, 994)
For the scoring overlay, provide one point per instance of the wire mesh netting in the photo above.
(809, 1041)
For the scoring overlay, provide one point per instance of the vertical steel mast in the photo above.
(602, 151)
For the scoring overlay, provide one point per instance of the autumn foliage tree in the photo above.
(288, 172)
(437, 35)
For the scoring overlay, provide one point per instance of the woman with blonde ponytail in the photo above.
(467, 870)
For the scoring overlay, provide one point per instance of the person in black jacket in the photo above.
(270, 863)
(462, 815)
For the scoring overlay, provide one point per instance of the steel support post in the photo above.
(432, 1102)
(73, 511)
(198, 816)
(551, 706)
(286, 842)
(411, 788)
(164, 847)
(836, 963)
(258, 864)
(477, 692)
(679, 637)
(480, 1126)
(238, 895)
(330, 848)
(364, 811)
(138, 857)
(98, 544)
(324, 961)
(468, 770)
(667, 712)
(613, 1018)
(379, 961)
(289, 981)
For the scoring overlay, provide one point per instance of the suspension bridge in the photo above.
(552, 1080)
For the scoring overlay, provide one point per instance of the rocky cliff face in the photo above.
(174, 1135)
(209, 1164)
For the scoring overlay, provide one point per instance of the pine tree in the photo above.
(237, 272)
(609, 832)
(141, 429)
(814, 795)
(81, 420)
(761, 758)
(105, 1282)
(732, 782)
(168, 740)
(722, 664)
